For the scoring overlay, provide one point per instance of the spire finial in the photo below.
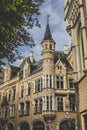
(48, 18)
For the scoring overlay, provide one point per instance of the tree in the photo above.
(15, 17)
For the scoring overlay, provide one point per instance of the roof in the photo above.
(15, 70)
(28, 61)
(63, 58)
(47, 35)
(38, 66)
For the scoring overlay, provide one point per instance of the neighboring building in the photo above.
(76, 25)
(39, 95)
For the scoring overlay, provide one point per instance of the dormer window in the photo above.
(59, 67)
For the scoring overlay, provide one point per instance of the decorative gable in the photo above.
(26, 69)
(7, 73)
(59, 66)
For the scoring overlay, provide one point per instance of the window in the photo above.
(48, 103)
(48, 81)
(72, 103)
(38, 106)
(59, 67)
(21, 92)
(27, 108)
(50, 46)
(4, 112)
(28, 89)
(60, 103)
(38, 85)
(60, 82)
(9, 95)
(46, 46)
(71, 85)
(13, 92)
(12, 110)
(21, 109)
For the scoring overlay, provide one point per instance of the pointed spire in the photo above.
(48, 35)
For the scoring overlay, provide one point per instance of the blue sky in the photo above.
(55, 8)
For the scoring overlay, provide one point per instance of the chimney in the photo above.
(31, 57)
(66, 49)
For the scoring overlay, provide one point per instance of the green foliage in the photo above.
(15, 15)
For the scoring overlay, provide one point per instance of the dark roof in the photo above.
(37, 66)
(47, 35)
(28, 61)
(15, 71)
(66, 63)
(63, 58)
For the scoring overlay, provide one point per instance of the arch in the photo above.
(24, 126)
(38, 125)
(67, 124)
(10, 126)
(67, 121)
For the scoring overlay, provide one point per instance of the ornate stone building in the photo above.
(39, 95)
(76, 25)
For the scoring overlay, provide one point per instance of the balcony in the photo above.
(49, 115)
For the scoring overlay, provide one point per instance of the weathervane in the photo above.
(48, 18)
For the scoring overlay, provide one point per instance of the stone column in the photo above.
(74, 53)
(84, 32)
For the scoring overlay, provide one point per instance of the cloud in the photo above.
(57, 26)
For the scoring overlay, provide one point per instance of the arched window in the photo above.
(10, 126)
(67, 125)
(24, 126)
(38, 125)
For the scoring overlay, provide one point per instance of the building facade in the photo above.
(76, 25)
(39, 95)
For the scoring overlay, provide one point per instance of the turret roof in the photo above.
(47, 35)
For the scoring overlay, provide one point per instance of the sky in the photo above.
(54, 8)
